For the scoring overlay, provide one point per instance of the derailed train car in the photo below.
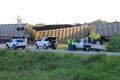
(62, 32)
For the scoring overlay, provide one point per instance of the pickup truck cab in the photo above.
(47, 42)
(16, 43)
(88, 46)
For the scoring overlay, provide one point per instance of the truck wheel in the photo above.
(54, 48)
(24, 47)
(7, 46)
(45, 47)
(87, 48)
(84, 49)
(14, 47)
(97, 49)
(37, 47)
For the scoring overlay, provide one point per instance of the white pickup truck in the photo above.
(47, 42)
(88, 46)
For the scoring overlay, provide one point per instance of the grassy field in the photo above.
(31, 65)
(62, 46)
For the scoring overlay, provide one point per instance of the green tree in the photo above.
(94, 35)
(114, 43)
(98, 21)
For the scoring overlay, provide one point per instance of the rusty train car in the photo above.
(62, 32)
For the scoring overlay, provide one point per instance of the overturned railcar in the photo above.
(62, 32)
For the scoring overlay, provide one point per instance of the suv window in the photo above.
(20, 41)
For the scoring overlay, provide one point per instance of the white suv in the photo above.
(47, 42)
(16, 43)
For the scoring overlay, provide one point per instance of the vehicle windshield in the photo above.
(50, 38)
(82, 40)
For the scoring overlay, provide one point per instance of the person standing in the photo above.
(69, 44)
(73, 45)
(86, 40)
(52, 44)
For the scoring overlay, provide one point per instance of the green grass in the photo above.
(62, 46)
(32, 65)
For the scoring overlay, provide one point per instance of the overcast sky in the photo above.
(59, 11)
